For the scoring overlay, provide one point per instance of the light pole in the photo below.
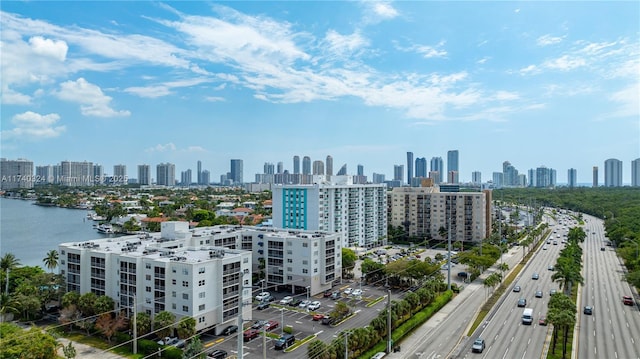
(307, 306)
(282, 320)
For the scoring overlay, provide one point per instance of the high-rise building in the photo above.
(296, 165)
(595, 176)
(635, 172)
(613, 173)
(476, 178)
(44, 175)
(453, 177)
(545, 177)
(206, 177)
(306, 165)
(357, 212)
(452, 162)
(199, 174)
(409, 167)
(16, 173)
(166, 174)
(236, 171)
(318, 167)
(423, 211)
(120, 175)
(98, 174)
(342, 171)
(421, 167)
(398, 173)
(360, 170)
(378, 177)
(76, 174)
(280, 167)
(510, 174)
(329, 166)
(269, 168)
(498, 179)
(437, 165)
(185, 178)
(572, 177)
(144, 175)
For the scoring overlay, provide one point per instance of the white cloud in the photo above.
(426, 51)
(629, 100)
(547, 39)
(149, 91)
(385, 10)
(565, 63)
(93, 102)
(162, 148)
(344, 44)
(47, 47)
(214, 99)
(197, 149)
(506, 96)
(377, 11)
(34, 126)
(11, 97)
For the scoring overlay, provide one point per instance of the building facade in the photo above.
(424, 211)
(409, 167)
(613, 173)
(356, 212)
(237, 171)
(144, 175)
(635, 172)
(16, 174)
(166, 174)
(453, 164)
(595, 176)
(572, 177)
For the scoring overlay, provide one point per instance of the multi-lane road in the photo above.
(613, 331)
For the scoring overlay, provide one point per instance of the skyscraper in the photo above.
(206, 177)
(318, 167)
(329, 166)
(360, 170)
(635, 172)
(421, 167)
(409, 167)
(98, 174)
(236, 171)
(166, 174)
(144, 175)
(438, 167)
(199, 174)
(16, 173)
(119, 174)
(613, 173)
(398, 173)
(77, 173)
(185, 178)
(280, 167)
(595, 176)
(306, 165)
(476, 178)
(452, 163)
(572, 177)
(296, 165)
(342, 171)
(269, 169)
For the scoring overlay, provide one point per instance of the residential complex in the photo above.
(16, 174)
(613, 173)
(356, 212)
(203, 272)
(425, 212)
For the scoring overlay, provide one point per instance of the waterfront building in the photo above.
(635, 172)
(498, 179)
(543, 177)
(99, 177)
(424, 211)
(409, 167)
(166, 174)
(44, 175)
(572, 177)
(436, 165)
(120, 175)
(206, 177)
(296, 165)
(76, 174)
(342, 171)
(306, 165)
(357, 212)
(452, 162)
(144, 175)
(378, 177)
(613, 173)
(509, 175)
(185, 178)
(16, 174)
(203, 272)
(236, 174)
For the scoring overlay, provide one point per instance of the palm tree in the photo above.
(51, 260)
(9, 261)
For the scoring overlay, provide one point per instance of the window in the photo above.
(185, 271)
(305, 271)
(305, 262)
(173, 281)
(201, 283)
(173, 269)
(185, 296)
(173, 305)
(315, 270)
(201, 270)
(289, 260)
(201, 295)
(147, 277)
(147, 289)
(201, 320)
(185, 308)
(245, 260)
(173, 294)
(185, 284)
(201, 307)
(289, 269)
(147, 265)
(305, 245)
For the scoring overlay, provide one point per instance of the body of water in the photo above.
(29, 231)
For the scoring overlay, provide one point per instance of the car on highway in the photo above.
(627, 300)
(286, 300)
(522, 302)
(516, 288)
(544, 247)
(538, 294)
(262, 296)
(542, 321)
(313, 305)
(478, 345)
(553, 291)
(535, 276)
(602, 249)
(551, 268)
(588, 310)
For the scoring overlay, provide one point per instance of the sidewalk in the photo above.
(87, 352)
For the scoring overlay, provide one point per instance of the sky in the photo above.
(535, 83)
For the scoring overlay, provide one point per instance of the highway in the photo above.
(613, 331)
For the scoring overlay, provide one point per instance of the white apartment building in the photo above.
(423, 211)
(200, 272)
(334, 204)
(16, 174)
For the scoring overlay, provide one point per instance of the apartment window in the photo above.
(289, 277)
(201, 307)
(185, 284)
(173, 294)
(185, 308)
(185, 271)
(147, 277)
(289, 251)
(305, 245)
(147, 289)
(201, 295)
(315, 244)
(305, 262)
(305, 271)
(173, 269)
(289, 269)
(173, 305)
(173, 281)
(289, 260)
(147, 265)
(315, 270)
(201, 283)
(201, 270)
(201, 320)
(185, 296)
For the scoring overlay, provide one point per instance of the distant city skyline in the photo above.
(553, 84)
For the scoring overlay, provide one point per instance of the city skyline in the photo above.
(264, 81)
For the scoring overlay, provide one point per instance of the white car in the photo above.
(347, 291)
(304, 303)
(313, 305)
(262, 296)
(286, 300)
(356, 292)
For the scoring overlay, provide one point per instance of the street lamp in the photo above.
(307, 306)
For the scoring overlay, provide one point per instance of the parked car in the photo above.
(327, 293)
(522, 302)
(263, 305)
(304, 303)
(535, 276)
(229, 330)
(250, 334)
(478, 346)
(318, 316)
(313, 305)
(551, 268)
(167, 341)
(553, 291)
(327, 320)
(272, 324)
(627, 300)
(335, 295)
(268, 299)
(588, 310)
(258, 324)
(285, 341)
(262, 296)
(180, 343)
(347, 291)
(463, 275)
(217, 354)
(286, 300)
(356, 292)
(295, 302)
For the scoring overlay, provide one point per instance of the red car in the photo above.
(627, 300)
(542, 321)
(272, 324)
(250, 334)
(318, 316)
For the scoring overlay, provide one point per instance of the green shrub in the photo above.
(288, 329)
(120, 337)
(146, 346)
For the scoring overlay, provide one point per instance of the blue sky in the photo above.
(536, 83)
